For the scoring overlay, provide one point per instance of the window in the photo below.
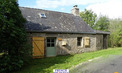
(42, 15)
(79, 41)
(50, 42)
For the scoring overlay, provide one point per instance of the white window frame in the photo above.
(40, 14)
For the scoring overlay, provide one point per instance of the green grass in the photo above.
(47, 65)
(1, 54)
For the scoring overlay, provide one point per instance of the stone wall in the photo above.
(71, 40)
(99, 41)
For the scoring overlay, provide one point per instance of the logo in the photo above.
(60, 70)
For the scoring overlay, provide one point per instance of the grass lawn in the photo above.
(47, 65)
(1, 54)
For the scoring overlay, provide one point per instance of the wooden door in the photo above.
(38, 47)
(51, 47)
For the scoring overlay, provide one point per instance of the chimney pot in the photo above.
(75, 10)
(75, 6)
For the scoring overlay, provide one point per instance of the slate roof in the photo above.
(54, 22)
(101, 32)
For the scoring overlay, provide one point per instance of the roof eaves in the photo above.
(34, 31)
(101, 32)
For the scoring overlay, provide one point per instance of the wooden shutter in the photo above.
(38, 47)
(86, 42)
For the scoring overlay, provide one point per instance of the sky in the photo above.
(110, 8)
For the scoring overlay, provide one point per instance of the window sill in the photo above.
(79, 46)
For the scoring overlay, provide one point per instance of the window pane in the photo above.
(48, 40)
(48, 44)
(52, 40)
(52, 44)
(78, 39)
(79, 44)
(42, 15)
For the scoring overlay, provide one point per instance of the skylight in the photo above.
(42, 15)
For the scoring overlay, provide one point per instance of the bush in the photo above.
(13, 40)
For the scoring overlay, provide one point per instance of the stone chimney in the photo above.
(75, 10)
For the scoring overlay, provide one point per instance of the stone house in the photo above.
(54, 33)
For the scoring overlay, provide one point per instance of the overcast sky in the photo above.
(110, 8)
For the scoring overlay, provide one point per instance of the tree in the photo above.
(12, 36)
(102, 23)
(89, 17)
(115, 28)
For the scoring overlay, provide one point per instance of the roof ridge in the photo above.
(45, 10)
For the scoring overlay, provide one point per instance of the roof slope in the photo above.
(54, 21)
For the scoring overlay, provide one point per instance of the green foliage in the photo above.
(47, 65)
(89, 17)
(102, 23)
(115, 28)
(12, 36)
(105, 24)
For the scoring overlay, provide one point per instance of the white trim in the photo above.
(40, 14)
(82, 42)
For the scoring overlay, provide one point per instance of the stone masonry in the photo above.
(96, 42)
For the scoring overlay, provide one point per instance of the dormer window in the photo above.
(42, 15)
